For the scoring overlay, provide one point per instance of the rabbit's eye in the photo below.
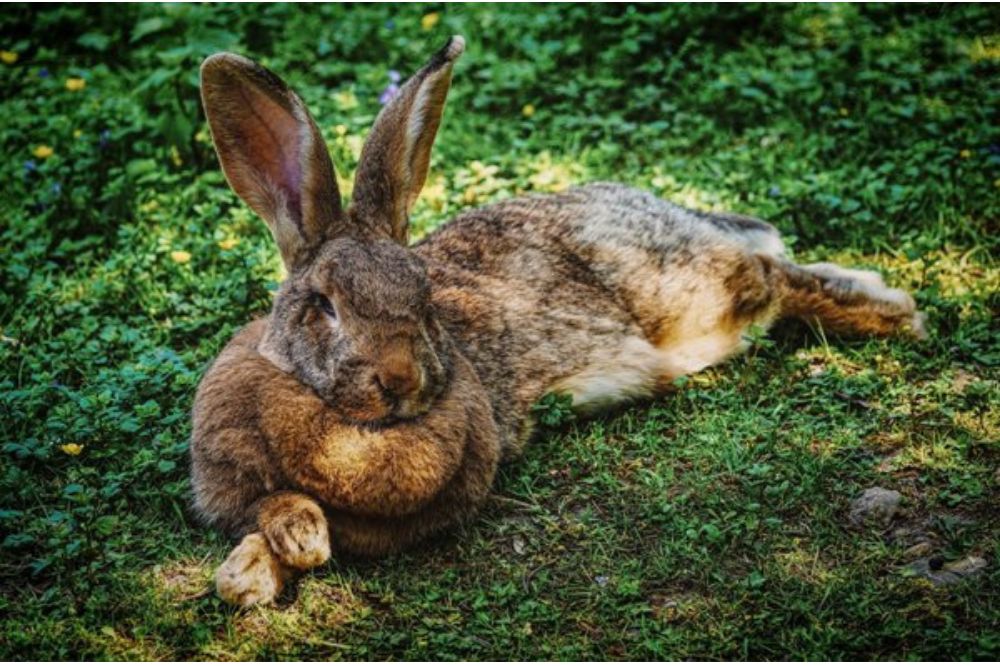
(324, 304)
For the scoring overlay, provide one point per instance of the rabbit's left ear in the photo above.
(396, 156)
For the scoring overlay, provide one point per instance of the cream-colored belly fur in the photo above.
(701, 330)
(636, 368)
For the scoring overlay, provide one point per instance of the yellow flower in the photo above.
(180, 256)
(43, 152)
(985, 48)
(71, 449)
(528, 110)
(469, 195)
(8, 57)
(341, 130)
(965, 154)
(77, 133)
(996, 183)
(229, 243)
(175, 156)
(346, 100)
(75, 84)
(844, 111)
(430, 20)
(435, 193)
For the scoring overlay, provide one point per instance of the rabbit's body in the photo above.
(604, 292)
(374, 403)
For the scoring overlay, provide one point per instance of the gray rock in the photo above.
(942, 574)
(875, 505)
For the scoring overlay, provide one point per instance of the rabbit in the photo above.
(371, 407)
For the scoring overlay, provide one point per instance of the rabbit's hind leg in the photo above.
(849, 302)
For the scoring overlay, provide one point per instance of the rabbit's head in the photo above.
(353, 320)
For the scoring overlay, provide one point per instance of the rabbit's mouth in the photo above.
(362, 408)
(376, 407)
(415, 405)
(410, 408)
(382, 413)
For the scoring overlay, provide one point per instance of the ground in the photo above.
(712, 523)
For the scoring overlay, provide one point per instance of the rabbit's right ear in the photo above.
(272, 153)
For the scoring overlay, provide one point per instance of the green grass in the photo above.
(707, 524)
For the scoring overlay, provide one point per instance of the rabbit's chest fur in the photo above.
(605, 292)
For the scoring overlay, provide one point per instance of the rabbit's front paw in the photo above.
(299, 535)
(251, 574)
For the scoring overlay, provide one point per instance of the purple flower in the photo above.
(105, 139)
(390, 91)
(43, 73)
(57, 188)
(30, 166)
(390, 24)
(774, 191)
(394, 76)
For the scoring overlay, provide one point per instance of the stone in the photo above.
(941, 573)
(875, 505)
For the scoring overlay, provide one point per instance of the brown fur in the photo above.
(841, 303)
(372, 406)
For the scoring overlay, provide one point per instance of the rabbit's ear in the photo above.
(394, 161)
(272, 153)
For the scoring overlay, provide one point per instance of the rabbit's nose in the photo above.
(399, 379)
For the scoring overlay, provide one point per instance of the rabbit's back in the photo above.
(603, 291)
(600, 223)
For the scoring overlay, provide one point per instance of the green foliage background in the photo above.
(707, 524)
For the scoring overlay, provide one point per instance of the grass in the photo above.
(708, 524)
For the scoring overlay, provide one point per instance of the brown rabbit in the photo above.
(372, 406)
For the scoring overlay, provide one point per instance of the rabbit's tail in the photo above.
(848, 302)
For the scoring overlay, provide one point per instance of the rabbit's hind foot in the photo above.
(850, 302)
